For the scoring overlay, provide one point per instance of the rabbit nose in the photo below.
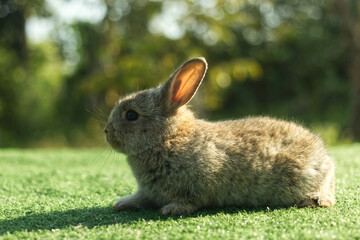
(106, 129)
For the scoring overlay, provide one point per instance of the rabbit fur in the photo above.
(182, 163)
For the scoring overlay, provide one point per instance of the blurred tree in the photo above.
(283, 58)
(349, 13)
(24, 113)
(13, 52)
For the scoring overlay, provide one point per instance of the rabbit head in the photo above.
(143, 119)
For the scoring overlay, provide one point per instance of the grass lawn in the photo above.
(68, 194)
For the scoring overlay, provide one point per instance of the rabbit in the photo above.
(182, 163)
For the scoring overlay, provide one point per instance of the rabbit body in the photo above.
(182, 163)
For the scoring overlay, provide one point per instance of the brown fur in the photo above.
(182, 163)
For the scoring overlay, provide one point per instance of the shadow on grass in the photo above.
(88, 217)
(93, 217)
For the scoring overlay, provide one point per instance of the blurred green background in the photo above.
(63, 63)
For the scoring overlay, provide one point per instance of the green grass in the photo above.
(68, 194)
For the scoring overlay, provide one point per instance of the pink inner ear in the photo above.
(186, 82)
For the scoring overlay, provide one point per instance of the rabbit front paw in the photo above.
(177, 209)
(130, 202)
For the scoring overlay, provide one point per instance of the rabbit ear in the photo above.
(184, 83)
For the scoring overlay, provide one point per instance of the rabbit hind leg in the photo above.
(178, 208)
(316, 202)
(327, 191)
(325, 197)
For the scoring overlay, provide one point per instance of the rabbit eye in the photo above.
(131, 115)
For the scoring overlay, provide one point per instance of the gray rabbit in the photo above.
(182, 163)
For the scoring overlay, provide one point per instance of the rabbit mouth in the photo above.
(111, 138)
